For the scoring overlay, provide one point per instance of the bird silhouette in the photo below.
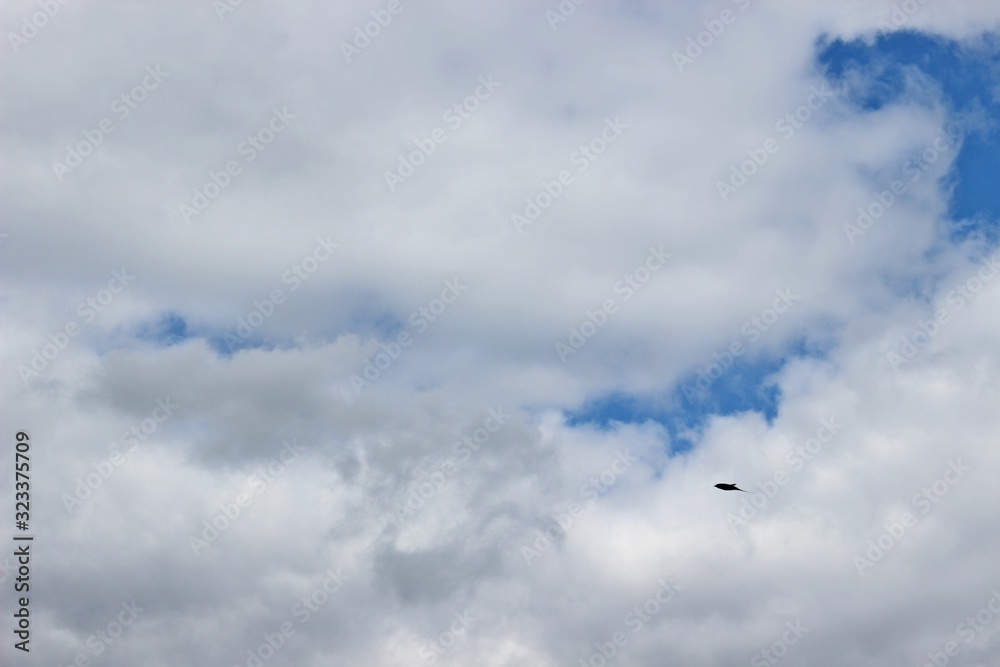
(729, 487)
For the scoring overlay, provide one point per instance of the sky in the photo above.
(407, 333)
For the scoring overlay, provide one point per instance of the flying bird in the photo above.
(729, 487)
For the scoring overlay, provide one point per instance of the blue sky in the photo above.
(968, 79)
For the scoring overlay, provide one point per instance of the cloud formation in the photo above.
(306, 309)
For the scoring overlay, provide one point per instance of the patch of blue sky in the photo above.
(966, 78)
(169, 330)
(383, 325)
(685, 410)
(367, 313)
(682, 413)
(746, 385)
(228, 343)
(172, 329)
